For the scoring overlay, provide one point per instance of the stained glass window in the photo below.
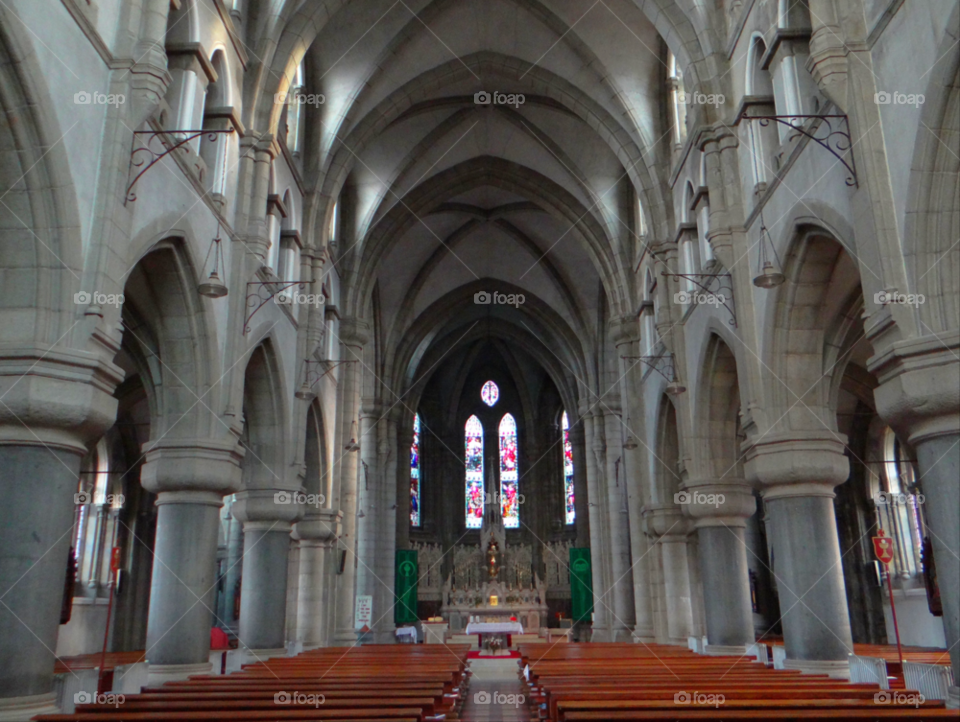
(509, 503)
(473, 441)
(489, 393)
(415, 473)
(568, 472)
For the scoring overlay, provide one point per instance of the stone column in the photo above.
(797, 472)
(190, 480)
(370, 524)
(621, 597)
(383, 609)
(354, 334)
(918, 396)
(601, 623)
(627, 340)
(318, 531)
(720, 510)
(671, 528)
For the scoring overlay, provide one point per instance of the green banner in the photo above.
(581, 584)
(405, 583)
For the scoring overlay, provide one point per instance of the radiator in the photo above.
(930, 680)
(869, 670)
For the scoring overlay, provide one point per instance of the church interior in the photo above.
(479, 360)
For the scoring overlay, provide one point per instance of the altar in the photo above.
(493, 583)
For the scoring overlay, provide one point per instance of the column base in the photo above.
(624, 634)
(599, 634)
(21, 709)
(953, 698)
(253, 656)
(163, 673)
(725, 650)
(345, 638)
(643, 638)
(837, 669)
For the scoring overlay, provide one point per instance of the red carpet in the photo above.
(512, 654)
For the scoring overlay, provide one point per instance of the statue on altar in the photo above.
(493, 559)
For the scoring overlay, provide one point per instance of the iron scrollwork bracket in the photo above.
(257, 300)
(704, 282)
(831, 132)
(662, 364)
(149, 154)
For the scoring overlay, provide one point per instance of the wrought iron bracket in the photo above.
(664, 360)
(831, 132)
(148, 154)
(257, 300)
(725, 283)
(311, 377)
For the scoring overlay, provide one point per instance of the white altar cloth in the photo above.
(494, 628)
(407, 632)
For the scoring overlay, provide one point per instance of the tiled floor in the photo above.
(495, 692)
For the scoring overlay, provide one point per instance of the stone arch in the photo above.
(295, 26)
(719, 401)
(183, 23)
(666, 461)
(932, 223)
(264, 415)
(627, 149)
(316, 467)
(173, 337)
(822, 280)
(503, 174)
(40, 232)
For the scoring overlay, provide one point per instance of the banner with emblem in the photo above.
(405, 598)
(581, 584)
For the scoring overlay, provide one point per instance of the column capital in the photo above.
(797, 463)
(624, 330)
(322, 525)
(718, 502)
(60, 398)
(918, 393)
(278, 507)
(205, 465)
(665, 521)
(354, 331)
